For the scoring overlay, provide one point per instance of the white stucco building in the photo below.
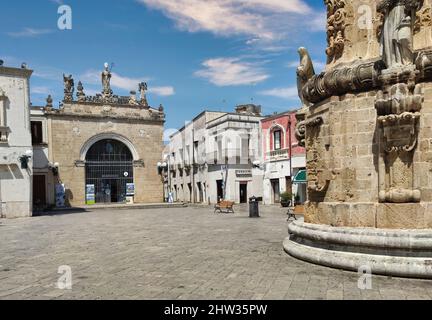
(15, 143)
(213, 156)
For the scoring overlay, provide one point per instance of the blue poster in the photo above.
(130, 189)
(60, 195)
(90, 194)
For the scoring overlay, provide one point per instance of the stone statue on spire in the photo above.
(106, 81)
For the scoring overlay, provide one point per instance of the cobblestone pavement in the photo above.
(186, 253)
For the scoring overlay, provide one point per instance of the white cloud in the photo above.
(117, 81)
(41, 90)
(259, 19)
(93, 77)
(162, 91)
(168, 133)
(290, 93)
(318, 65)
(29, 32)
(231, 72)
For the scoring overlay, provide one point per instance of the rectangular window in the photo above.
(36, 132)
(277, 140)
(196, 155)
(245, 148)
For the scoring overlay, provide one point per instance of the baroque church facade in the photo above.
(98, 149)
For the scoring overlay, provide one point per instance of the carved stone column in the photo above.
(398, 107)
(4, 130)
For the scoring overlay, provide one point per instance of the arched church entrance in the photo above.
(109, 172)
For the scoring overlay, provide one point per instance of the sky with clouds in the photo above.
(194, 54)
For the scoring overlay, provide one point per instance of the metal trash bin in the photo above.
(253, 208)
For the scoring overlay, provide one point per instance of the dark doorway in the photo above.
(39, 191)
(220, 195)
(243, 193)
(109, 169)
(200, 192)
(276, 190)
(190, 192)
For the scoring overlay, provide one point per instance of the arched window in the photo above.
(109, 172)
(277, 139)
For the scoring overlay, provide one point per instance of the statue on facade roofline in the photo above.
(106, 81)
(397, 33)
(68, 87)
(143, 89)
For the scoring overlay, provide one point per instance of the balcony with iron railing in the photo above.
(278, 155)
(4, 134)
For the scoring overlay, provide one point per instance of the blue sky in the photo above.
(194, 54)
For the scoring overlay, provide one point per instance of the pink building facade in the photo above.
(282, 162)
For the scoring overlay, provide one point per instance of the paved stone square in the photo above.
(181, 253)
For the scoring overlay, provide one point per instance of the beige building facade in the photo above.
(104, 149)
(366, 126)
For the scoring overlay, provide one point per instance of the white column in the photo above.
(2, 108)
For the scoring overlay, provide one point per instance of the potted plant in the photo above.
(286, 199)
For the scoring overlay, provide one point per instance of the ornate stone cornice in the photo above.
(25, 73)
(57, 114)
(343, 80)
(361, 77)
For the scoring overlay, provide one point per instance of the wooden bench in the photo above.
(225, 207)
(293, 211)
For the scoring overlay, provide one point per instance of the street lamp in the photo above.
(54, 168)
(257, 164)
(24, 159)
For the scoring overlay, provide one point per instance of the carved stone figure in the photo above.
(423, 19)
(80, 92)
(397, 32)
(304, 72)
(399, 111)
(68, 87)
(143, 89)
(336, 25)
(106, 81)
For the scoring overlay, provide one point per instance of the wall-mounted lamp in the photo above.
(162, 166)
(54, 168)
(24, 159)
(257, 164)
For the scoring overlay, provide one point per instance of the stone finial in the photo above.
(80, 92)
(49, 103)
(161, 108)
(133, 99)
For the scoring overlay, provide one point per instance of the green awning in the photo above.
(301, 177)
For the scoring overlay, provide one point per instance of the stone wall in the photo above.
(15, 142)
(344, 149)
(69, 134)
